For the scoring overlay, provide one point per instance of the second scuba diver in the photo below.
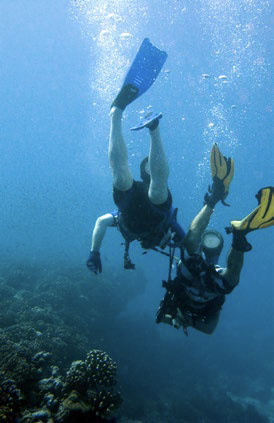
(195, 296)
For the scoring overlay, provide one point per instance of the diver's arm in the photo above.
(94, 260)
(100, 229)
(197, 228)
(232, 271)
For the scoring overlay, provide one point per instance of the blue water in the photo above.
(62, 63)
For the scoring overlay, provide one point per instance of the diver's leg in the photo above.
(159, 170)
(207, 324)
(117, 152)
(197, 228)
(235, 261)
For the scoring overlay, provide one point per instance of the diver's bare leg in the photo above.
(159, 169)
(206, 324)
(234, 264)
(117, 152)
(197, 228)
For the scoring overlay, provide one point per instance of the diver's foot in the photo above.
(126, 95)
(150, 121)
(115, 112)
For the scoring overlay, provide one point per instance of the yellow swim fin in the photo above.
(222, 171)
(222, 168)
(261, 217)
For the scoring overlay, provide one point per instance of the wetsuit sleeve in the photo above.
(221, 284)
(115, 218)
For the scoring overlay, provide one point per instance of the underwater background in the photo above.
(62, 63)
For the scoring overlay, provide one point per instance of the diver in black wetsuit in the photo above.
(145, 211)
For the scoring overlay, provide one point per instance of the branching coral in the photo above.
(101, 369)
(93, 380)
(77, 377)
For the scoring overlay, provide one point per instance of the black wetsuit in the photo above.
(198, 291)
(140, 219)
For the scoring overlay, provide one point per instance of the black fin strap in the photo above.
(239, 241)
(216, 192)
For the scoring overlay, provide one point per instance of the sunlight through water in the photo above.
(240, 67)
(112, 27)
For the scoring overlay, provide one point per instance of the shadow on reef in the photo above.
(48, 319)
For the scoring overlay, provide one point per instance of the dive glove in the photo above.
(94, 262)
(222, 171)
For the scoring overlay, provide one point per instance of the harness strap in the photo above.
(171, 258)
(170, 255)
(127, 262)
(158, 251)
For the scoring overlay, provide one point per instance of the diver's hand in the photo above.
(94, 262)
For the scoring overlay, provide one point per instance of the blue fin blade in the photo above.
(146, 66)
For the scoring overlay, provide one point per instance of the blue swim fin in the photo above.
(150, 121)
(142, 73)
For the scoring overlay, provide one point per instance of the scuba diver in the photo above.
(194, 298)
(145, 211)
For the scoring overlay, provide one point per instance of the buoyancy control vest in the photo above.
(159, 236)
(198, 290)
(167, 232)
(203, 285)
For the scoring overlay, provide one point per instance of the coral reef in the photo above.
(55, 326)
(10, 400)
(85, 394)
(101, 369)
(92, 382)
(49, 319)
